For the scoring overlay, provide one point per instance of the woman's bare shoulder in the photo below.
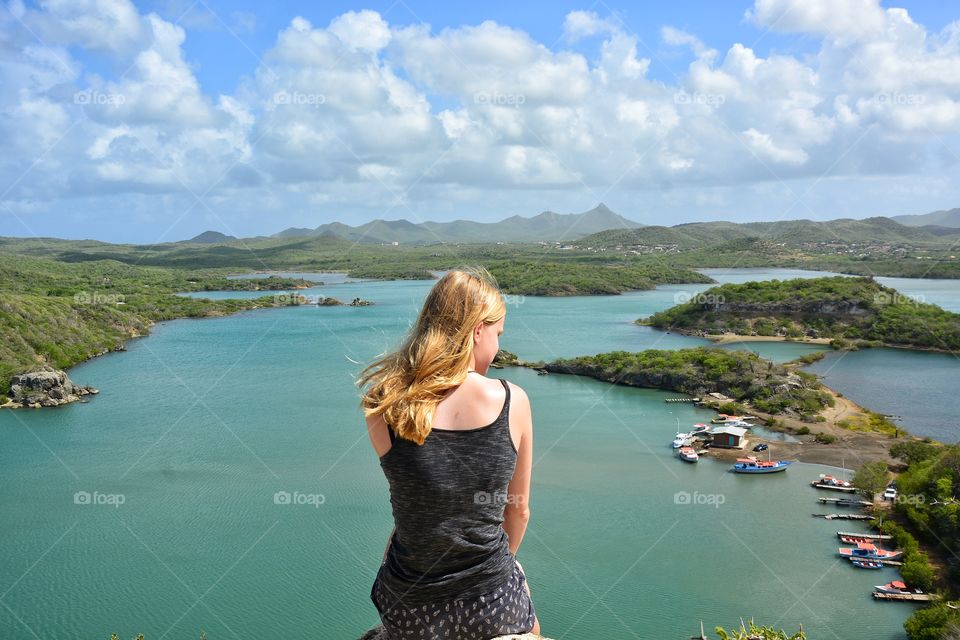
(517, 394)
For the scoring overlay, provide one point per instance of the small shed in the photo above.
(729, 437)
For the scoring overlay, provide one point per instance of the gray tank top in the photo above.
(448, 496)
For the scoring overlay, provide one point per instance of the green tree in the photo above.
(871, 477)
(917, 572)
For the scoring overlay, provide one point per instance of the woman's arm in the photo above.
(387, 548)
(516, 513)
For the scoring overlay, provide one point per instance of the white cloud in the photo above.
(361, 30)
(848, 18)
(583, 24)
(395, 118)
(762, 145)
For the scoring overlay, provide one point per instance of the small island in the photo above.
(845, 312)
(582, 278)
(740, 375)
(824, 426)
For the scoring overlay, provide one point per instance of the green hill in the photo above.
(838, 307)
(741, 375)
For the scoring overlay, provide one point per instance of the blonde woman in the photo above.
(456, 448)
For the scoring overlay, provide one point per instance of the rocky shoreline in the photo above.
(45, 387)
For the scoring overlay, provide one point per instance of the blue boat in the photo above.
(752, 465)
(864, 563)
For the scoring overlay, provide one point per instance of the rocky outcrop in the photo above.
(377, 633)
(842, 308)
(333, 302)
(46, 387)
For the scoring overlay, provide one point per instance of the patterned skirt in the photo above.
(507, 609)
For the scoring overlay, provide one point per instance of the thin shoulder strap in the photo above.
(506, 401)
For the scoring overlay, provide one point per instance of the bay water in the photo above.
(223, 481)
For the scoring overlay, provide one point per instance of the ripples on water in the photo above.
(201, 424)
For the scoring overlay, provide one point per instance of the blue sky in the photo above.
(155, 120)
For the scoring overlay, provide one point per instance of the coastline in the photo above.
(728, 338)
(853, 446)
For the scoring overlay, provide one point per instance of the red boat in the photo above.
(852, 539)
(869, 551)
(896, 587)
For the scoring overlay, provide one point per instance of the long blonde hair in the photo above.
(408, 384)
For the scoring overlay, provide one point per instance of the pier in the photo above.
(870, 536)
(905, 597)
(694, 400)
(842, 516)
(845, 502)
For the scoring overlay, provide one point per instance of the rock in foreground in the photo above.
(377, 633)
(46, 387)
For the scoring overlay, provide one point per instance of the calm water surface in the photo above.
(199, 426)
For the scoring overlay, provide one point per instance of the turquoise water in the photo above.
(198, 426)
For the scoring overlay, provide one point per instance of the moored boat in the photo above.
(680, 440)
(833, 484)
(688, 454)
(699, 429)
(896, 587)
(752, 465)
(864, 563)
(869, 551)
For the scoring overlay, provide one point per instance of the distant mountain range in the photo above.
(697, 235)
(946, 218)
(547, 226)
(602, 227)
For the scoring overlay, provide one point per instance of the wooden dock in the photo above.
(871, 536)
(845, 502)
(682, 400)
(905, 597)
(842, 516)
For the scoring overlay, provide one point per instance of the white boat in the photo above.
(680, 440)
(687, 454)
(896, 587)
(700, 428)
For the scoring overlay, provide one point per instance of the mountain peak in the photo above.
(211, 237)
